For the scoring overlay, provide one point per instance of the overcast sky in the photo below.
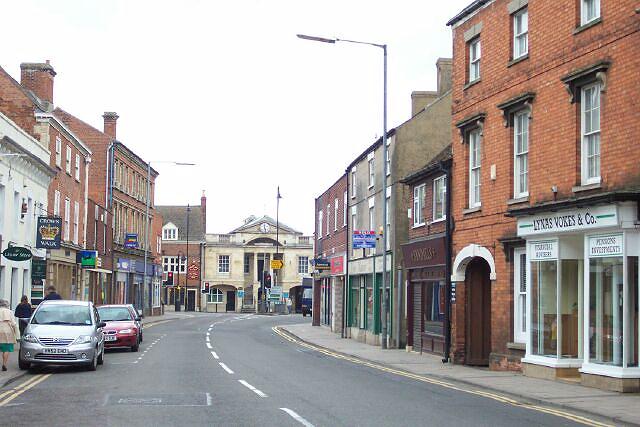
(227, 84)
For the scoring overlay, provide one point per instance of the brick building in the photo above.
(330, 247)
(427, 256)
(100, 240)
(545, 243)
(183, 236)
(120, 184)
(30, 105)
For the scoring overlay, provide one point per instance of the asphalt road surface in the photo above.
(232, 369)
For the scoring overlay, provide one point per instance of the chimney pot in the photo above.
(110, 119)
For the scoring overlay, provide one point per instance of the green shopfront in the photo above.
(582, 294)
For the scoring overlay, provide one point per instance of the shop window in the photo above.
(354, 302)
(632, 338)
(544, 314)
(433, 307)
(570, 330)
(370, 303)
(606, 303)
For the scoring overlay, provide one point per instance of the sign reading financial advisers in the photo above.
(48, 232)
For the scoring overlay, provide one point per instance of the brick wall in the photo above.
(100, 233)
(336, 241)
(555, 49)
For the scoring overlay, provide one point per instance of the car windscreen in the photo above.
(77, 315)
(114, 314)
(307, 293)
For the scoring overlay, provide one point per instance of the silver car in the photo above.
(63, 333)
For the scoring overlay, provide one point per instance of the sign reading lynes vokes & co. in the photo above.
(570, 220)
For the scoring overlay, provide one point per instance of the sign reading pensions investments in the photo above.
(574, 220)
(605, 246)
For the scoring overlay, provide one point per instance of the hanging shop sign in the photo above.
(606, 245)
(364, 239)
(321, 264)
(337, 265)
(543, 250)
(17, 253)
(38, 269)
(87, 259)
(131, 241)
(193, 272)
(573, 220)
(48, 232)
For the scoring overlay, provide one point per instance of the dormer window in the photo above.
(169, 232)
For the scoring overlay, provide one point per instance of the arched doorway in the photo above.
(478, 312)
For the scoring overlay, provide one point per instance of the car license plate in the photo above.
(55, 351)
(109, 337)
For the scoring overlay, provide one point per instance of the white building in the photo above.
(24, 180)
(235, 264)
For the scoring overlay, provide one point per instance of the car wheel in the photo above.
(94, 362)
(23, 365)
(101, 358)
(136, 347)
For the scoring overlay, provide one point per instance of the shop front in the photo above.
(63, 273)
(331, 293)
(425, 263)
(122, 281)
(583, 294)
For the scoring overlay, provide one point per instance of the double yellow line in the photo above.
(9, 395)
(489, 395)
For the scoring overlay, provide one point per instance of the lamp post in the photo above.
(146, 222)
(385, 296)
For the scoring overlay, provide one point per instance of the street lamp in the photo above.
(146, 222)
(385, 296)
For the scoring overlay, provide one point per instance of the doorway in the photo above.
(191, 300)
(231, 300)
(478, 310)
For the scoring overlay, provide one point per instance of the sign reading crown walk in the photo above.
(17, 253)
(49, 232)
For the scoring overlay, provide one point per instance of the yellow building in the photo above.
(237, 263)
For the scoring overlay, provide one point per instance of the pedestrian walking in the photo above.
(23, 313)
(8, 332)
(51, 293)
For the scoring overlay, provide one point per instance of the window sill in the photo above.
(435, 221)
(516, 346)
(518, 60)
(422, 224)
(586, 26)
(518, 200)
(468, 211)
(370, 187)
(588, 187)
(469, 84)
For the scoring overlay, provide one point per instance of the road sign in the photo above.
(241, 294)
(364, 239)
(276, 264)
(276, 293)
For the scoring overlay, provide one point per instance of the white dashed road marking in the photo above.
(297, 417)
(209, 346)
(226, 368)
(215, 355)
(252, 388)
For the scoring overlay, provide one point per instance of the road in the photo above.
(232, 369)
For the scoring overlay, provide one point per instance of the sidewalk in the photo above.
(620, 407)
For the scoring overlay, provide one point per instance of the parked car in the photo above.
(138, 317)
(63, 333)
(121, 329)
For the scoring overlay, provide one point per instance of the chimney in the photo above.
(420, 99)
(38, 78)
(203, 208)
(444, 66)
(110, 119)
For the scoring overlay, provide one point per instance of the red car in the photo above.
(121, 329)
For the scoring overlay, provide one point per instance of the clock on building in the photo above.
(264, 227)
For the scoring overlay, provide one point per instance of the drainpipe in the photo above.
(345, 290)
(447, 268)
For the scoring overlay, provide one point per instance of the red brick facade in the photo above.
(331, 244)
(558, 47)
